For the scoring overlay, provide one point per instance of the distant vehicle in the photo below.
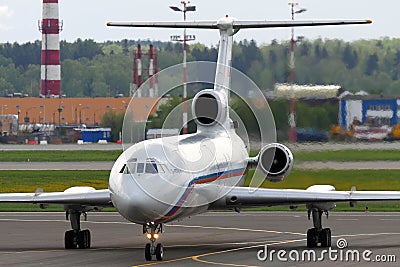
(311, 135)
(20, 95)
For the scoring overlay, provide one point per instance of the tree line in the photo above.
(91, 69)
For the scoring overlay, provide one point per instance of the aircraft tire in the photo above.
(325, 237)
(69, 240)
(147, 252)
(311, 238)
(84, 239)
(159, 252)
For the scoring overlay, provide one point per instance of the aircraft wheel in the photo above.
(84, 239)
(325, 237)
(69, 241)
(147, 252)
(159, 252)
(312, 238)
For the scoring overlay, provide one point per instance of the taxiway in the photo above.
(216, 238)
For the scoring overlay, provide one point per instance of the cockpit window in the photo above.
(140, 168)
(151, 167)
(123, 170)
(131, 166)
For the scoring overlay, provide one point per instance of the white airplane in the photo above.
(154, 181)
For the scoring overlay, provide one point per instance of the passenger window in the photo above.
(140, 168)
(151, 167)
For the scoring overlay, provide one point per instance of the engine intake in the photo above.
(275, 161)
(208, 108)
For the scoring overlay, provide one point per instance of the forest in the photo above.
(92, 69)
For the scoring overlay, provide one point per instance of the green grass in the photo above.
(111, 155)
(29, 181)
(49, 181)
(341, 179)
(58, 156)
(348, 155)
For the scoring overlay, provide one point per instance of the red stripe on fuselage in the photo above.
(187, 193)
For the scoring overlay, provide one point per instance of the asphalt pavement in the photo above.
(212, 239)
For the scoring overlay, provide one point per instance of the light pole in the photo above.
(80, 113)
(19, 112)
(292, 113)
(186, 38)
(60, 109)
(26, 119)
(94, 113)
(44, 113)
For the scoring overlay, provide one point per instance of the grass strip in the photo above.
(112, 155)
(49, 181)
(58, 156)
(348, 155)
(340, 179)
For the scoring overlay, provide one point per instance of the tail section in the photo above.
(227, 27)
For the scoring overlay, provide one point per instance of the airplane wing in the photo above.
(317, 194)
(74, 196)
(236, 24)
(291, 23)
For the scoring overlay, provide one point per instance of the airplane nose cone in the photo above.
(134, 203)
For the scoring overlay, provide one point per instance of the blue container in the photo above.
(94, 135)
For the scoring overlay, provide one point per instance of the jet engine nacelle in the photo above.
(209, 107)
(275, 161)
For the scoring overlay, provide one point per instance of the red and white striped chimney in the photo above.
(50, 27)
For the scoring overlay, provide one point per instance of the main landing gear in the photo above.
(76, 238)
(318, 235)
(153, 232)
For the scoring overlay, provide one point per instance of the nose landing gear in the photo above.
(153, 232)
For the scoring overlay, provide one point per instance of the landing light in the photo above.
(149, 236)
(155, 236)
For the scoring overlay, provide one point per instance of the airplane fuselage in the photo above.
(161, 180)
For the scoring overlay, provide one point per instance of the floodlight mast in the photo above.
(185, 38)
(292, 112)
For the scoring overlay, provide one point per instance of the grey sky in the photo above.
(87, 18)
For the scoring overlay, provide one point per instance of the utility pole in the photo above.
(185, 38)
(292, 112)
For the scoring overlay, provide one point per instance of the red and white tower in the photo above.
(151, 71)
(50, 27)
